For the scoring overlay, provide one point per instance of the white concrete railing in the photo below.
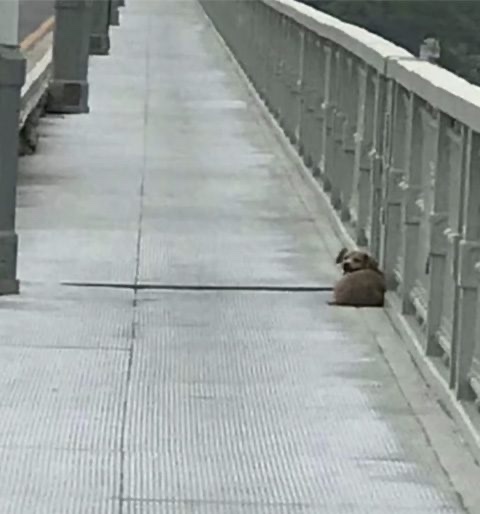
(395, 142)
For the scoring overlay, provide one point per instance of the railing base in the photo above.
(99, 44)
(68, 97)
(8, 269)
(8, 287)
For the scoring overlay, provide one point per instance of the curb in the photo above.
(37, 49)
(36, 84)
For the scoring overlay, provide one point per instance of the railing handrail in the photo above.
(367, 46)
(442, 89)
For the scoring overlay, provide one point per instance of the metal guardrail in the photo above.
(395, 142)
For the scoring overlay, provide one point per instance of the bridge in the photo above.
(191, 171)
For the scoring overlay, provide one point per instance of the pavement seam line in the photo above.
(195, 501)
(201, 287)
(137, 273)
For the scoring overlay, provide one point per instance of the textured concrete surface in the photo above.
(192, 401)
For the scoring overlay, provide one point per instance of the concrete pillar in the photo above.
(99, 35)
(12, 78)
(68, 91)
(114, 14)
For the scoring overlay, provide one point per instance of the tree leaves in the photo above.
(408, 22)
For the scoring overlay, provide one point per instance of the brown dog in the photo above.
(362, 284)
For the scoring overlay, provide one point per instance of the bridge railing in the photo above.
(395, 142)
(45, 72)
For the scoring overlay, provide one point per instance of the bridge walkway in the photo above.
(172, 349)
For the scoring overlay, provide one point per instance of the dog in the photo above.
(362, 284)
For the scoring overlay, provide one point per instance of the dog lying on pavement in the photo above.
(362, 284)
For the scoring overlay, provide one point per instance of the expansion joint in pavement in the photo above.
(201, 287)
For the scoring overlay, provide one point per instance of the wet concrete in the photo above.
(192, 401)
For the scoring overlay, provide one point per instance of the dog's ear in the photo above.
(341, 255)
(371, 263)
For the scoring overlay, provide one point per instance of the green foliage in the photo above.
(455, 23)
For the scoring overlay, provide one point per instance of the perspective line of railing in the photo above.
(395, 143)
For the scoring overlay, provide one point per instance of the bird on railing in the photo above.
(430, 50)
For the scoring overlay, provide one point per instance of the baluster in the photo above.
(452, 234)
(393, 158)
(363, 139)
(336, 164)
(381, 125)
(306, 101)
(328, 106)
(438, 241)
(411, 186)
(299, 91)
(350, 98)
(469, 255)
(318, 113)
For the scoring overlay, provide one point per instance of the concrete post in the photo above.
(12, 78)
(467, 279)
(99, 35)
(114, 14)
(68, 92)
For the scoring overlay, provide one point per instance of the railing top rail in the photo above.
(369, 47)
(442, 89)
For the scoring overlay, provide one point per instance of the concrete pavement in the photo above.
(116, 398)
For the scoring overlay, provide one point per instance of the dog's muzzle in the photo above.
(346, 267)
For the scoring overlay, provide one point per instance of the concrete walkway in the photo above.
(189, 399)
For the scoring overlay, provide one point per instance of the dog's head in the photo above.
(356, 260)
